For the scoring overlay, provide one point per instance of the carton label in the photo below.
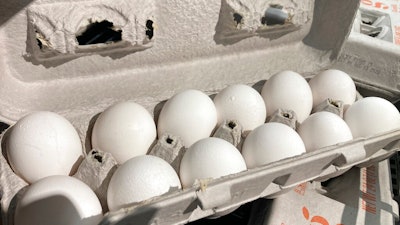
(397, 35)
(392, 6)
(301, 189)
(370, 66)
(305, 213)
(316, 219)
(368, 189)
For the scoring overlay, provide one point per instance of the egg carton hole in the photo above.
(149, 29)
(169, 140)
(286, 115)
(334, 103)
(237, 18)
(99, 32)
(98, 157)
(275, 15)
(232, 124)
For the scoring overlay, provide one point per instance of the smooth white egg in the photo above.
(241, 103)
(210, 158)
(140, 178)
(190, 114)
(42, 144)
(323, 129)
(333, 84)
(58, 200)
(288, 90)
(271, 142)
(371, 116)
(125, 130)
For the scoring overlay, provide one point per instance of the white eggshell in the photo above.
(371, 116)
(125, 130)
(241, 103)
(42, 144)
(271, 142)
(210, 158)
(288, 90)
(58, 200)
(140, 178)
(323, 129)
(333, 84)
(190, 114)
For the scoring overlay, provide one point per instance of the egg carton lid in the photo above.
(165, 47)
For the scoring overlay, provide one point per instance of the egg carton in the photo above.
(372, 51)
(358, 197)
(154, 49)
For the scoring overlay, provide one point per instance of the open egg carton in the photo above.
(51, 60)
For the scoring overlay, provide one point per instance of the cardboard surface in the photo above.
(360, 196)
(201, 45)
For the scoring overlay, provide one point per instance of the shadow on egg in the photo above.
(11, 207)
(88, 139)
(56, 209)
(259, 85)
(4, 139)
(157, 110)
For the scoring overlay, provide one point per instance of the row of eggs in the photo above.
(44, 144)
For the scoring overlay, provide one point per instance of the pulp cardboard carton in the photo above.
(372, 51)
(360, 196)
(51, 58)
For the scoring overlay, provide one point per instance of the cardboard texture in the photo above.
(166, 47)
(373, 59)
(357, 197)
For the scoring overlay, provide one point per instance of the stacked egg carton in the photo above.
(158, 49)
(360, 196)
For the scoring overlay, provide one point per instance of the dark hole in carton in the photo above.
(274, 15)
(334, 103)
(366, 21)
(232, 124)
(374, 34)
(169, 140)
(286, 115)
(149, 29)
(99, 32)
(39, 43)
(98, 158)
(3, 127)
(237, 18)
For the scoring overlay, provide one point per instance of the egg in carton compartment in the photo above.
(156, 49)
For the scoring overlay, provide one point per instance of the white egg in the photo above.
(241, 103)
(333, 84)
(42, 144)
(290, 91)
(58, 200)
(190, 114)
(371, 116)
(271, 142)
(323, 129)
(140, 178)
(125, 130)
(210, 158)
